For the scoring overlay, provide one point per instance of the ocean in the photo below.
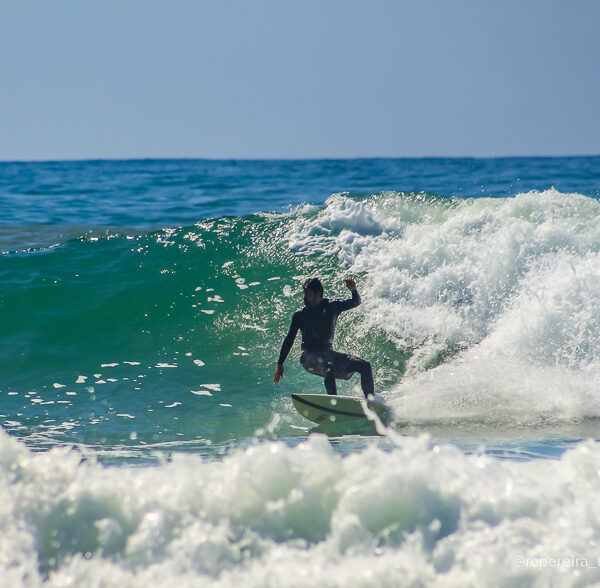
(142, 307)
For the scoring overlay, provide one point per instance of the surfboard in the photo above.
(326, 408)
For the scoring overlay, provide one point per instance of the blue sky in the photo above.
(277, 79)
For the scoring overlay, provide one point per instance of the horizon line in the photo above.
(266, 159)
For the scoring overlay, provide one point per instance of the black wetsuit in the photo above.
(317, 325)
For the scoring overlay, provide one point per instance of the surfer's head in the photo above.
(313, 292)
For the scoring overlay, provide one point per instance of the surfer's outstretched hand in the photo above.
(278, 373)
(350, 284)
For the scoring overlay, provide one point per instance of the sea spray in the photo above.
(500, 296)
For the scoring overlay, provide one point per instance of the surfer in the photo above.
(317, 321)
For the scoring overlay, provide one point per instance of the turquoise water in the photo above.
(142, 306)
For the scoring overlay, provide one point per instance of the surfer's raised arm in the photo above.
(286, 346)
(342, 305)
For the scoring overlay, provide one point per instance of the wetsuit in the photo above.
(317, 325)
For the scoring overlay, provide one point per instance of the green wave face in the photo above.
(171, 335)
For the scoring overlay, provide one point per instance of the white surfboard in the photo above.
(326, 408)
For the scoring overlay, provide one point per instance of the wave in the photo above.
(480, 308)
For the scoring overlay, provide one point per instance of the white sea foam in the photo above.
(504, 293)
(273, 515)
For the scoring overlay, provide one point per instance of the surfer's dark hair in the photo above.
(313, 284)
